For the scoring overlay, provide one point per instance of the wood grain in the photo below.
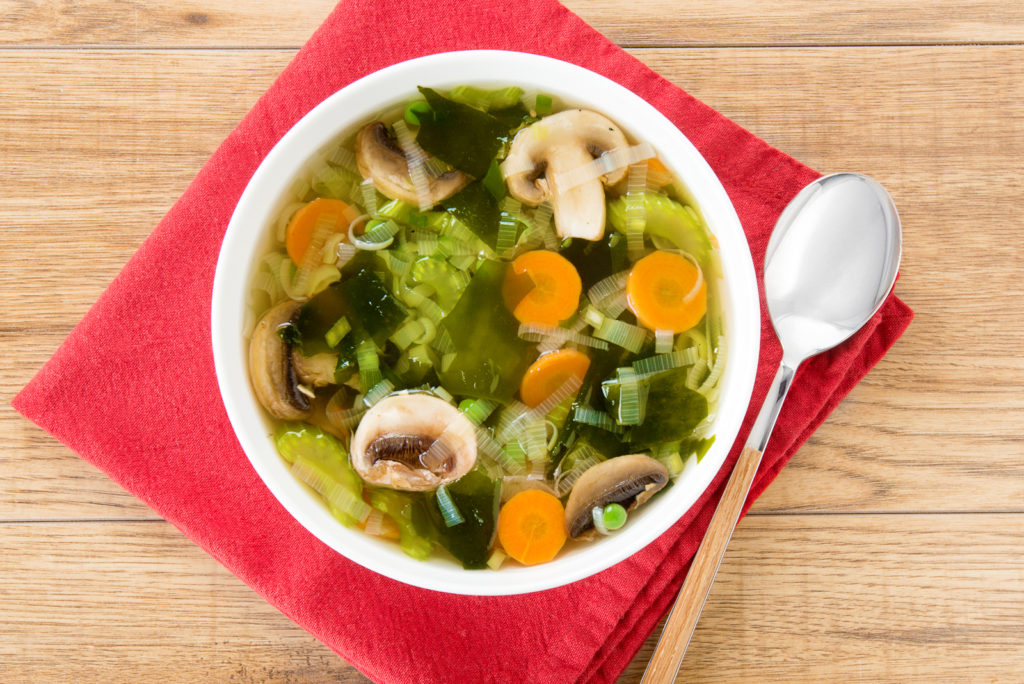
(265, 23)
(897, 598)
(103, 132)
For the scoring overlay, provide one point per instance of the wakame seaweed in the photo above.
(476, 207)
(372, 311)
(489, 357)
(673, 409)
(476, 497)
(463, 136)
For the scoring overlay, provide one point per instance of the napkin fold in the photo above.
(132, 389)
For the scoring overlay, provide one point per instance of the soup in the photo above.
(487, 326)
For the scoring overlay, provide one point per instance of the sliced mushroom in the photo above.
(270, 366)
(413, 441)
(316, 370)
(626, 480)
(380, 158)
(557, 144)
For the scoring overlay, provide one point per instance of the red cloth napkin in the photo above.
(133, 390)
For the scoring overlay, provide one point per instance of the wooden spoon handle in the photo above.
(675, 636)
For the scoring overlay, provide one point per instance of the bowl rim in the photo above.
(364, 98)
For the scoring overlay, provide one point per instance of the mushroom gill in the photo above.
(627, 480)
(555, 145)
(413, 441)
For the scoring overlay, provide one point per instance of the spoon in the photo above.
(831, 262)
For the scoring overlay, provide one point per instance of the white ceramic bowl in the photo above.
(248, 236)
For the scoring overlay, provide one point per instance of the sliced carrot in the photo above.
(550, 291)
(321, 211)
(549, 372)
(531, 527)
(666, 291)
(658, 174)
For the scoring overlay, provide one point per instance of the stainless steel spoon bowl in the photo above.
(831, 262)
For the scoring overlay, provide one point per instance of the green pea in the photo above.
(614, 516)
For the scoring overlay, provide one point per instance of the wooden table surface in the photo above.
(890, 549)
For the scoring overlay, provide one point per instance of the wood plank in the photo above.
(885, 598)
(262, 23)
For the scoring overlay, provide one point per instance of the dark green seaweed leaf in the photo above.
(463, 136)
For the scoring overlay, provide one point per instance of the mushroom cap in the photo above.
(380, 159)
(413, 441)
(271, 370)
(556, 144)
(628, 480)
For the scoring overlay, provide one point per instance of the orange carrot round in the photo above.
(666, 291)
(549, 372)
(542, 287)
(321, 211)
(531, 527)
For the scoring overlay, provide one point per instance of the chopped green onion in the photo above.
(663, 340)
(416, 109)
(535, 441)
(636, 210)
(377, 237)
(429, 331)
(553, 337)
(513, 458)
(463, 262)
(337, 332)
(494, 183)
(663, 362)
(607, 288)
(478, 410)
(716, 373)
(597, 514)
(431, 311)
(497, 558)
(416, 295)
(369, 365)
(631, 411)
(369, 196)
(408, 333)
(378, 392)
(600, 419)
(508, 232)
(486, 446)
(442, 393)
(592, 316)
(449, 512)
(344, 158)
(614, 516)
(584, 456)
(622, 334)
(696, 375)
(426, 244)
(673, 462)
(543, 104)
